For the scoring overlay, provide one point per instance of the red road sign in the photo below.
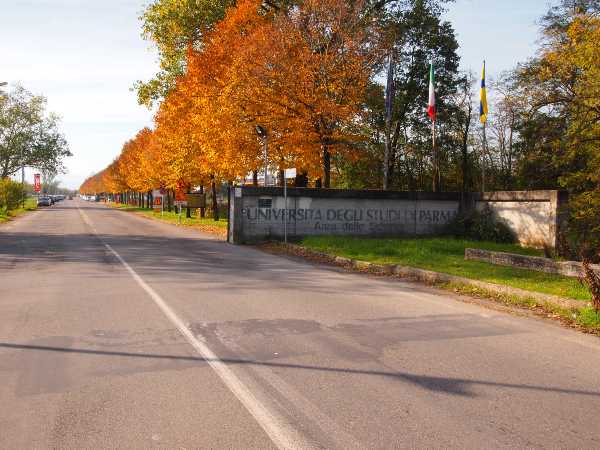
(37, 182)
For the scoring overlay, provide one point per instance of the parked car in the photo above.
(44, 201)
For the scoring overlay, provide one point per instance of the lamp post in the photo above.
(262, 133)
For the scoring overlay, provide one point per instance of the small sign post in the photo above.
(180, 201)
(180, 204)
(37, 183)
(157, 200)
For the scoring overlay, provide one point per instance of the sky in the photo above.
(85, 55)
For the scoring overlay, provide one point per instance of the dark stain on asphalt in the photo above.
(360, 340)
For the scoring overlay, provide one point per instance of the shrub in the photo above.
(11, 194)
(480, 226)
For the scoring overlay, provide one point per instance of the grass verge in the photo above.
(208, 225)
(446, 255)
(30, 205)
(585, 318)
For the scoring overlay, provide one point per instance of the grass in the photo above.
(30, 205)
(447, 255)
(586, 317)
(173, 217)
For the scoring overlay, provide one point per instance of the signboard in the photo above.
(37, 182)
(196, 200)
(182, 203)
(157, 202)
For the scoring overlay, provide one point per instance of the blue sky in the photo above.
(84, 56)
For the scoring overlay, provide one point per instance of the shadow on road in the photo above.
(452, 386)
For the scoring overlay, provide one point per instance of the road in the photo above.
(117, 331)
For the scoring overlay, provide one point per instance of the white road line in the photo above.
(282, 434)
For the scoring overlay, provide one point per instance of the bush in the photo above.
(480, 226)
(11, 194)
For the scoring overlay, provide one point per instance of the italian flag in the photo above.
(431, 105)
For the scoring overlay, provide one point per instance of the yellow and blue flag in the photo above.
(483, 106)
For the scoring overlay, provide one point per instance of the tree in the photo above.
(464, 103)
(173, 26)
(562, 85)
(418, 36)
(28, 136)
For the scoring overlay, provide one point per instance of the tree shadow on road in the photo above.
(451, 386)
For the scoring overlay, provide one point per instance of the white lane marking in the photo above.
(282, 434)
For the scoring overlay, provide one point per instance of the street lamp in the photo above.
(262, 134)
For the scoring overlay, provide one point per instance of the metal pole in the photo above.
(435, 158)
(483, 160)
(23, 178)
(266, 156)
(285, 208)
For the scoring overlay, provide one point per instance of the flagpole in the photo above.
(431, 111)
(483, 111)
(435, 158)
(483, 160)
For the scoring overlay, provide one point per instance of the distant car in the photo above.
(44, 201)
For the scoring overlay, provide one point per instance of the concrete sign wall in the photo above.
(534, 216)
(258, 213)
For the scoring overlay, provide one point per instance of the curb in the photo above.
(431, 277)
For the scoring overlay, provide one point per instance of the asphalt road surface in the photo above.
(121, 332)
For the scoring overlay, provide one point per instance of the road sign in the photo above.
(37, 182)
(196, 200)
(157, 199)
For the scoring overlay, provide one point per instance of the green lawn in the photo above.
(447, 255)
(30, 205)
(174, 217)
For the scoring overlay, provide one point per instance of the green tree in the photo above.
(173, 26)
(562, 85)
(419, 35)
(28, 135)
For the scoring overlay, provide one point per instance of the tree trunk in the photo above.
(255, 178)
(202, 209)
(188, 211)
(326, 167)
(215, 205)
(301, 180)
(281, 177)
